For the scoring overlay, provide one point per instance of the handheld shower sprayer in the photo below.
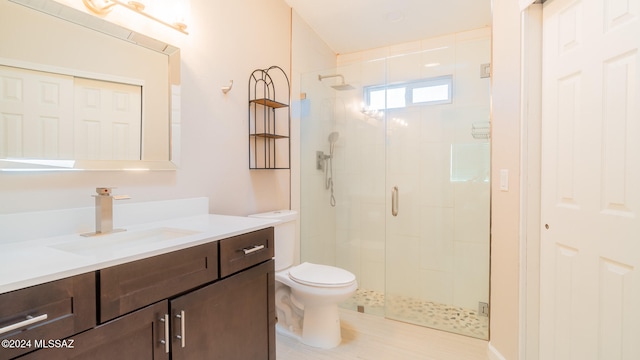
(333, 137)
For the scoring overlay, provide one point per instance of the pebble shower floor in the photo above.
(421, 312)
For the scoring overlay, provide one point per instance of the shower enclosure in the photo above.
(410, 178)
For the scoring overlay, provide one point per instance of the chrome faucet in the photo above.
(104, 211)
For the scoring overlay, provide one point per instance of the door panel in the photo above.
(437, 229)
(36, 112)
(590, 180)
(108, 116)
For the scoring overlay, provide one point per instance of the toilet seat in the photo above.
(321, 275)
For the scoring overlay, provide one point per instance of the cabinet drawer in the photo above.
(127, 287)
(243, 251)
(53, 310)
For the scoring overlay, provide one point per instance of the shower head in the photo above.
(341, 86)
(333, 137)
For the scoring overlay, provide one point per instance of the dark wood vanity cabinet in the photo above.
(177, 306)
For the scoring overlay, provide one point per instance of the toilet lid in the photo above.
(320, 275)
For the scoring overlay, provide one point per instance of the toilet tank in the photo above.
(284, 236)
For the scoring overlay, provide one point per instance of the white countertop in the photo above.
(28, 263)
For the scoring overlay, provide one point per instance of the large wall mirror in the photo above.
(80, 93)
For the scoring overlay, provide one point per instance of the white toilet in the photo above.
(307, 295)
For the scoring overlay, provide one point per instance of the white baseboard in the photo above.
(494, 354)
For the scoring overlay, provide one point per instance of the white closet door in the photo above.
(36, 114)
(590, 246)
(108, 120)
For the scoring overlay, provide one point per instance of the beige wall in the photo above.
(505, 206)
(227, 41)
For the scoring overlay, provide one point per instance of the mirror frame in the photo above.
(80, 18)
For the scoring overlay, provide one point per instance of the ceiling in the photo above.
(354, 25)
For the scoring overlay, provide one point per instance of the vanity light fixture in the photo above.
(103, 7)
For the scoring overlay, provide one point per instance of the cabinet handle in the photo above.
(165, 341)
(253, 249)
(395, 203)
(28, 321)
(182, 337)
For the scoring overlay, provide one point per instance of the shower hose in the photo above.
(328, 177)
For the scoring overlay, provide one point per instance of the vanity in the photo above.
(197, 287)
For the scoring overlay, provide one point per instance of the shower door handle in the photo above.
(395, 202)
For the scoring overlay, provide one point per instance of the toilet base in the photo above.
(321, 326)
(310, 313)
(283, 330)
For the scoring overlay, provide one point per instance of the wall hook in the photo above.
(226, 89)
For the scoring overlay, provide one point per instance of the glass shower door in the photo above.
(415, 119)
(436, 108)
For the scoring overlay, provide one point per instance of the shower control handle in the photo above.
(395, 202)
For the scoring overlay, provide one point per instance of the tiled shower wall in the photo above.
(437, 248)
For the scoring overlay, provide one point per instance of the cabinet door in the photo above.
(137, 336)
(228, 320)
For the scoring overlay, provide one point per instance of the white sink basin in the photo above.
(121, 242)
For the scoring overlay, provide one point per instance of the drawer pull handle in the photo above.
(28, 321)
(182, 336)
(253, 249)
(165, 341)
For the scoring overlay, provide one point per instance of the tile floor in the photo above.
(373, 337)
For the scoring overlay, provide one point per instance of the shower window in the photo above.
(430, 91)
